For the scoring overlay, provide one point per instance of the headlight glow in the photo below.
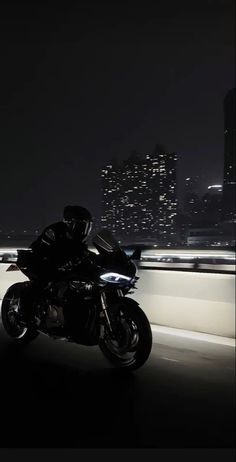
(115, 277)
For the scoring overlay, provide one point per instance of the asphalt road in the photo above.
(55, 394)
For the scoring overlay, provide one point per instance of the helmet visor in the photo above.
(79, 229)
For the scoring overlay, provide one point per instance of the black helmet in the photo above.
(78, 221)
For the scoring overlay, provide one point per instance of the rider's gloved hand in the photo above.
(67, 267)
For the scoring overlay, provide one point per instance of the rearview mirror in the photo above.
(136, 255)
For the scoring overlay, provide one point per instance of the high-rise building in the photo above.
(201, 207)
(229, 186)
(192, 198)
(212, 205)
(139, 197)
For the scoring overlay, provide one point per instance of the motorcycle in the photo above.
(90, 310)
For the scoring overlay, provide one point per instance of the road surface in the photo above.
(56, 394)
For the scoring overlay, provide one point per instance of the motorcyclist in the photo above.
(53, 252)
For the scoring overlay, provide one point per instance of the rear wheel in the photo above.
(131, 345)
(11, 316)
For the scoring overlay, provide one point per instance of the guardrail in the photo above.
(8, 255)
(205, 260)
(209, 260)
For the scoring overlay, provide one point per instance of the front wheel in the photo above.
(131, 344)
(10, 312)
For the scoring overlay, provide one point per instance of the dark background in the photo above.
(86, 82)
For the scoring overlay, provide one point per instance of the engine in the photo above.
(54, 317)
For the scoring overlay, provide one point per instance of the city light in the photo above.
(136, 193)
(215, 186)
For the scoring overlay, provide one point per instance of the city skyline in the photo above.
(197, 183)
(201, 189)
(139, 198)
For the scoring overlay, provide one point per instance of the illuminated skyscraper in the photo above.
(192, 199)
(139, 197)
(229, 186)
(212, 205)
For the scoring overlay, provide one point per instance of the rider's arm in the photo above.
(44, 244)
(44, 253)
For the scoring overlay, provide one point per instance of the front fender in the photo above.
(114, 308)
(130, 302)
(16, 289)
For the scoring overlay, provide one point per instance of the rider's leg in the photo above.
(29, 299)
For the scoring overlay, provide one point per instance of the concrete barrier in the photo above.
(200, 302)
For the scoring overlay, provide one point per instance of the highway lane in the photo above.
(56, 394)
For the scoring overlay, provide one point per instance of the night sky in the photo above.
(85, 83)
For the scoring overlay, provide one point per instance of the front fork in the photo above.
(105, 312)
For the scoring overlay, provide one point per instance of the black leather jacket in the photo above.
(53, 251)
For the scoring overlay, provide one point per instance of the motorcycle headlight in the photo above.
(115, 278)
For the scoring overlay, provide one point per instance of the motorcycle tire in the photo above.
(21, 334)
(136, 327)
